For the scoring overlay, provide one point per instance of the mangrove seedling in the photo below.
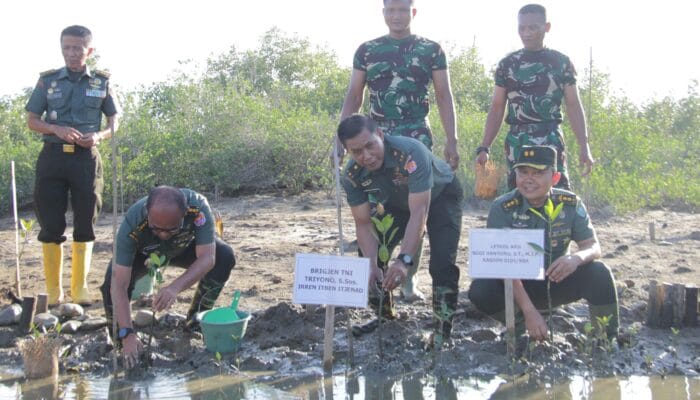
(156, 262)
(385, 232)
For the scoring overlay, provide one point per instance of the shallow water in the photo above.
(413, 387)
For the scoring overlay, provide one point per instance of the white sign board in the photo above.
(331, 280)
(506, 254)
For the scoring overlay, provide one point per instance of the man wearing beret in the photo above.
(573, 275)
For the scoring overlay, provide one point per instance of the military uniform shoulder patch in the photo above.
(200, 219)
(568, 199)
(48, 72)
(103, 73)
(511, 204)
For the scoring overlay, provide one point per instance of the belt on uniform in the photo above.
(393, 123)
(534, 127)
(65, 147)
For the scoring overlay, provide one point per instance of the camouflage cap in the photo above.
(539, 157)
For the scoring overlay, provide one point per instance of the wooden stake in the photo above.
(691, 306)
(666, 319)
(510, 317)
(678, 301)
(652, 231)
(27, 317)
(42, 303)
(330, 310)
(115, 216)
(18, 286)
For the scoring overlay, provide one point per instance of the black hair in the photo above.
(354, 125)
(410, 2)
(167, 195)
(533, 9)
(78, 31)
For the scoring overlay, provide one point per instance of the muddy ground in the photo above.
(268, 230)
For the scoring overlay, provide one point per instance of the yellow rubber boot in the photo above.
(82, 257)
(53, 266)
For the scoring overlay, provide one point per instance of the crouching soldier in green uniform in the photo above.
(71, 101)
(418, 190)
(574, 275)
(178, 224)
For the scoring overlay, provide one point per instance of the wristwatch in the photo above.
(405, 259)
(124, 332)
(482, 148)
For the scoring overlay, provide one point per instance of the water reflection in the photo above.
(409, 387)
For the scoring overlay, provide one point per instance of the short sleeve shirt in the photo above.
(78, 104)
(134, 236)
(534, 82)
(398, 73)
(573, 222)
(409, 167)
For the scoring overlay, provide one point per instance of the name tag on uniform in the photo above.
(95, 93)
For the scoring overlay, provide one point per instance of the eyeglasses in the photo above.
(170, 231)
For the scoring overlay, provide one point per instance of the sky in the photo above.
(649, 48)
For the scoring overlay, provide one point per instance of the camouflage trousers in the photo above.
(546, 134)
(418, 129)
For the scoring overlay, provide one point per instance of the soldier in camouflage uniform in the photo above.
(72, 100)
(532, 82)
(397, 69)
(418, 190)
(177, 224)
(573, 275)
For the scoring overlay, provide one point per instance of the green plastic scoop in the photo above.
(225, 314)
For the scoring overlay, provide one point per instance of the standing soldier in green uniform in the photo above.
(532, 82)
(573, 275)
(398, 69)
(178, 224)
(72, 100)
(419, 190)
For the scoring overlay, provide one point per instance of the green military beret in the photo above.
(539, 157)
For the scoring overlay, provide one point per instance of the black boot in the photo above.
(204, 298)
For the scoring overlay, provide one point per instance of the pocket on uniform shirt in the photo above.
(55, 103)
(93, 102)
(92, 107)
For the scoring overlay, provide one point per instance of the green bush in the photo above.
(265, 118)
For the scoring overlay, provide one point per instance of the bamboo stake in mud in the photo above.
(510, 317)
(115, 215)
(18, 286)
(330, 310)
(341, 247)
